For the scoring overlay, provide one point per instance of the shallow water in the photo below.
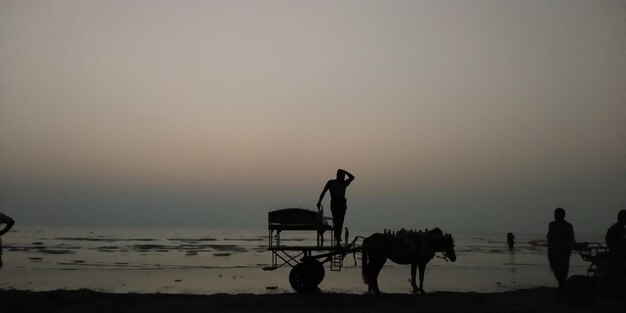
(231, 261)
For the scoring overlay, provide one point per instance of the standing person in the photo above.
(615, 237)
(338, 206)
(616, 242)
(560, 244)
(8, 223)
(510, 240)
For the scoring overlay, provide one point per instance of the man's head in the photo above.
(621, 217)
(559, 214)
(341, 175)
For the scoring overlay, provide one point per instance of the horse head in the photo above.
(435, 231)
(448, 247)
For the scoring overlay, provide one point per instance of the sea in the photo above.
(234, 261)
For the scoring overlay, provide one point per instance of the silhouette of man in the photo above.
(8, 223)
(616, 237)
(338, 206)
(560, 244)
(616, 242)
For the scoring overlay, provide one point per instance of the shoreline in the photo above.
(393, 280)
(541, 299)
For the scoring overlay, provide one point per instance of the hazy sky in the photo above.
(468, 115)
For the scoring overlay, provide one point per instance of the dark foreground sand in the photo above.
(533, 300)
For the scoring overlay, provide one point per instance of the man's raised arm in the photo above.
(8, 221)
(350, 176)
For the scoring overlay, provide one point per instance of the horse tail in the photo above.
(364, 252)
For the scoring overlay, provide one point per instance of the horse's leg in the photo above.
(365, 271)
(413, 270)
(371, 278)
(369, 272)
(422, 268)
(376, 265)
(367, 277)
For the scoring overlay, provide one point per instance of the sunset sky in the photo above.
(468, 115)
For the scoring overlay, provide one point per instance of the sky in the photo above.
(472, 116)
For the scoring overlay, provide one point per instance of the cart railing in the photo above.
(596, 254)
(297, 219)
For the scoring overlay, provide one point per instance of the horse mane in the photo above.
(415, 235)
(412, 232)
(436, 230)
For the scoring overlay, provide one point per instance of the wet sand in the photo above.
(530, 300)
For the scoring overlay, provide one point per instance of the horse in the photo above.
(405, 247)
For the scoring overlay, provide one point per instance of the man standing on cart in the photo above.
(338, 204)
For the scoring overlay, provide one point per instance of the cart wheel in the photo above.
(305, 276)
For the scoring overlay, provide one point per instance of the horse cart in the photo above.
(605, 277)
(306, 260)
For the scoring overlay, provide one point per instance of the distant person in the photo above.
(560, 244)
(616, 242)
(347, 234)
(8, 223)
(338, 206)
(510, 240)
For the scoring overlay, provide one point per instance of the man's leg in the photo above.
(561, 277)
(560, 267)
(338, 216)
(615, 274)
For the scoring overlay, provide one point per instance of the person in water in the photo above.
(338, 205)
(510, 240)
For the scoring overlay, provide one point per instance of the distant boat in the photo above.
(539, 242)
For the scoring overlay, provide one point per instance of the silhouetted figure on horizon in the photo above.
(561, 241)
(510, 240)
(338, 205)
(8, 223)
(616, 242)
(347, 234)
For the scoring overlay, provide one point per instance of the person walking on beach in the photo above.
(561, 241)
(338, 206)
(8, 223)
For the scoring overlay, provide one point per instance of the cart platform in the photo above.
(306, 260)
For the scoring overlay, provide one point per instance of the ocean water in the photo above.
(208, 261)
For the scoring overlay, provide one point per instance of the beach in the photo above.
(194, 270)
(205, 262)
(198, 270)
(530, 300)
